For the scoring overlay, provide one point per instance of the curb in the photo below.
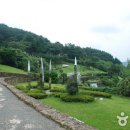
(63, 120)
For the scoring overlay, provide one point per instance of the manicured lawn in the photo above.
(81, 69)
(5, 68)
(101, 114)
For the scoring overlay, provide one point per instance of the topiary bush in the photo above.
(124, 87)
(96, 93)
(72, 86)
(76, 98)
(37, 95)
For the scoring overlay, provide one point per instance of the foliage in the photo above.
(115, 69)
(57, 89)
(95, 93)
(63, 78)
(35, 91)
(112, 90)
(37, 95)
(13, 57)
(23, 88)
(57, 94)
(76, 98)
(72, 85)
(40, 46)
(124, 86)
(54, 76)
(108, 81)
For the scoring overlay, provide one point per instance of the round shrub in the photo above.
(37, 95)
(76, 98)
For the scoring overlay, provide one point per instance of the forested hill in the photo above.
(39, 46)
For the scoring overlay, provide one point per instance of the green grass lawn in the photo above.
(81, 69)
(101, 114)
(5, 68)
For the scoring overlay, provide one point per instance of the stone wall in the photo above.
(13, 78)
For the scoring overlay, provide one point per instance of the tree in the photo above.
(115, 69)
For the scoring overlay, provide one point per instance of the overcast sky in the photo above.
(100, 24)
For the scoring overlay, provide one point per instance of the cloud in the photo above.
(106, 29)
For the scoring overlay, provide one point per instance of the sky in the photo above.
(100, 24)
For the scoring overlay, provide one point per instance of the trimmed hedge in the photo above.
(57, 89)
(107, 89)
(22, 88)
(37, 95)
(45, 87)
(35, 91)
(96, 93)
(76, 98)
(57, 94)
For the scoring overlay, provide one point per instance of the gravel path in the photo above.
(15, 115)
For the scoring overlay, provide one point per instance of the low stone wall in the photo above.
(5, 74)
(13, 78)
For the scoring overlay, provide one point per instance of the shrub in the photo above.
(37, 95)
(72, 86)
(113, 90)
(124, 87)
(46, 87)
(57, 94)
(22, 88)
(96, 93)
(35, 90)
(57, 89)
(76, 98)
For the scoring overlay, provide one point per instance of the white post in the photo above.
(50, 68)
(42, 70)
(28, 66)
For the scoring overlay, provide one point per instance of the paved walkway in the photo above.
(15, 115)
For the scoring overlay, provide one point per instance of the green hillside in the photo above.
(5, 68)
(17, 46)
